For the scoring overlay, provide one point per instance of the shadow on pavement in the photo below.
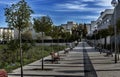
(88, 66)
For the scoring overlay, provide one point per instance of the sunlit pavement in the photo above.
(82, 61)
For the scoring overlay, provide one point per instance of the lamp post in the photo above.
(114, 4)
(95, 41)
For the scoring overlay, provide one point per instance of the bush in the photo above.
(30, 54)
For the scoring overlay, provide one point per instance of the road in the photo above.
(82, 61)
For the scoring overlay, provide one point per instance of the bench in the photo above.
(66, 51)
(55, 57)
(108, 53)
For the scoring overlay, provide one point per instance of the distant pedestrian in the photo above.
(54, 56)
(3, 73)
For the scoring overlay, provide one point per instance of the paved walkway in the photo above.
(82, 61)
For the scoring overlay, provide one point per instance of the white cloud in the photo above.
(100, 2)
(90, 17)
(78, 17)
(79, 5)
(83, 9)
(7, 2)
(72, 6)
(88, 0)
(37, 15)
(105, 3)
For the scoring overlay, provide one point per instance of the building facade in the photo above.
(88, 29)
(68, 27)
(116, 15)
(104, 21)
(6, 34)
(92, 27)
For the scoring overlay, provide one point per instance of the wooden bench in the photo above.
(55, 57)
(66, 51)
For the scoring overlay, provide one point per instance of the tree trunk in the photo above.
(105, 43)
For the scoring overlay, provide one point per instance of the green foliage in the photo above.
(63, 34)
(84, 30)
(77, 31)
(18, 15)
(111, 30)
(13, 45)
(102, 33)
(26, 46)
(43, 24)
(32, 54)
(27, 35)
(68, 35)
(57, 32)
(118, 26)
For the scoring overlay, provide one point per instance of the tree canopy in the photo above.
(43, 24)
(85, 30)
(18, 15)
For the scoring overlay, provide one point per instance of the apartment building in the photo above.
(104, 20)
(69, 26)
(93, 26)
(6, 34)
(116, 14)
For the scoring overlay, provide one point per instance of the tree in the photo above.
(27, 35)
(118, 26)
(43, 25)
(18, 16)
(85, 30)
(12, 46)
(56, 32)
(111, 30)
(104, 33)
(63, 33)
(74, 33)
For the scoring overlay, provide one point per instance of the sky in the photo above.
(61, 11)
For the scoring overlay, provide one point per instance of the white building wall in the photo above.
(104, 19)
(6, 34)
(68, 26)
(93, 26)
(88, 28)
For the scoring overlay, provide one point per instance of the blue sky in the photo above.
(61, 11)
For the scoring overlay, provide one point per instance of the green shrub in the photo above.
(30, 54)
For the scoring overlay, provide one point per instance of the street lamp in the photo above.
(95, 32)
(114, 4)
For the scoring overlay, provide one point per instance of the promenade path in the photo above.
(82, 61)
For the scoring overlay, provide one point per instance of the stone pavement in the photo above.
(104, 66)
(82, 61)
